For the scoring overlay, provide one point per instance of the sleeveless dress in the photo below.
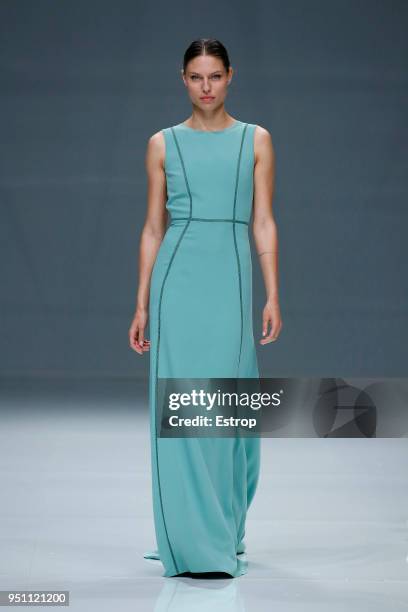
(200, 317)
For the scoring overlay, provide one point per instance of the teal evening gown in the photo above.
(200, 317)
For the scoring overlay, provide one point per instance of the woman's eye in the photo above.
(195, 77)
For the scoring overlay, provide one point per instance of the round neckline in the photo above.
(230, 127)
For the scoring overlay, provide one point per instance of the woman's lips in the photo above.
(207, 98)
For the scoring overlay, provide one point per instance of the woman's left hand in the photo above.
(271, 316)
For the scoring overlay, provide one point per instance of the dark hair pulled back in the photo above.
(206, 46)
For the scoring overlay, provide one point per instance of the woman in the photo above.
(209, 173)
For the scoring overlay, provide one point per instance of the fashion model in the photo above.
(206, 176)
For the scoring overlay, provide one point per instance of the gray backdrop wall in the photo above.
(83, 87)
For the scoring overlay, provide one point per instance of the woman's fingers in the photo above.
(268, 337)
(265, 327)
(137, 347)
(275, 325)
(137, 341)
(146, 345)
(267, 319)
(134, 338)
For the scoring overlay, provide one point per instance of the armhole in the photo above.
(253, 143)
(253, 170)
(165, 149)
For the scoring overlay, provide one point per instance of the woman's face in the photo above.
(207, 81)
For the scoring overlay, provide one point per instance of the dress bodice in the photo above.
(201, 171)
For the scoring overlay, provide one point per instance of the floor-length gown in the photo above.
(200, 317)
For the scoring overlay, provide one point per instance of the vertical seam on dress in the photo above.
(236, 247)
(184, 172)
(158, 337)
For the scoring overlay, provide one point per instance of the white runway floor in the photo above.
(328, 529)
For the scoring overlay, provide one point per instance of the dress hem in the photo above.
(240, 571)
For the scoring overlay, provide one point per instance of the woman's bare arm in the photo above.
(265, 231)
(151, 237)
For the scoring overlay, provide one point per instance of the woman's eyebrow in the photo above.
(198, 74)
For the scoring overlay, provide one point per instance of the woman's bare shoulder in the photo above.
(262, 134)
(263, 145)
(156, 148)
(156, 139)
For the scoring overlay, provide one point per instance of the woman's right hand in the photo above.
(137, 340)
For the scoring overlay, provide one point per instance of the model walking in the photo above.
(206, 175)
